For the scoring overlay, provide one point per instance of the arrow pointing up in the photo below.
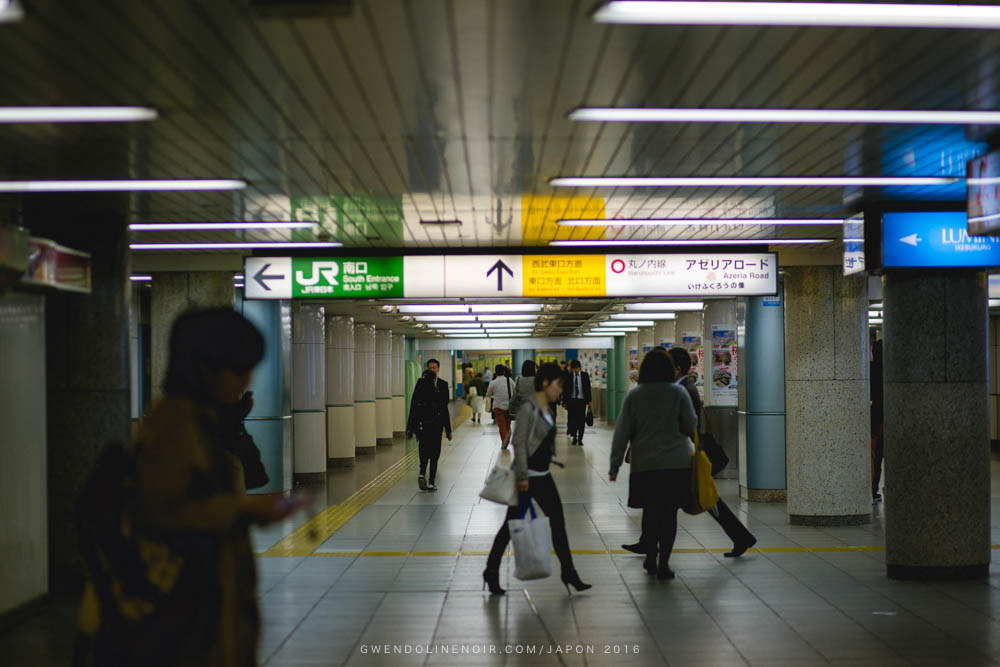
(260, 277)
(500, 267)
(912, 240)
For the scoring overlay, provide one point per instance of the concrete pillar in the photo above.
(270, 421)
(174, 293)
(340, 390)
(398, 386)
(688, 334)
(309, 391)
(518, 357)
(827, 397)
(383, 387)
(631, 361)
(937, 455)
(663, 333)
(762, 401)
(364, 389)
(621, 376)
(609, 385)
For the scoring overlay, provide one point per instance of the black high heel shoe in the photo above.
(571, 578)
(491, 578)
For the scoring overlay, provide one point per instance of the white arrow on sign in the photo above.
(912, 240)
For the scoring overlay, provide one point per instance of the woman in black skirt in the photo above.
(657, 419)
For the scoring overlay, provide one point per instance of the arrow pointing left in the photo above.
(261, 276)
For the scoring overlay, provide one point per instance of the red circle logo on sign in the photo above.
(618, 266)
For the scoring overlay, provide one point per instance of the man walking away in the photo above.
(577, 396)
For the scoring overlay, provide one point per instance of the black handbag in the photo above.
(590, 416)
(245, 449)
(715, 453)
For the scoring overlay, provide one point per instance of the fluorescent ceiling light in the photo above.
(506, 318)
(643, 316)
(516, 325)
(852, 14)
(444, 318)
(161, 185)
(697, 222)
(605, 333)
(10, 11)
(875, 320)
(76, 114)
(624, 326)
(140, 279)
(435, 308)
(874, 313)
(238, 277)
(638, 323)
(505, 307)
(466, 336)
(456, 325)
(513, 335)
(233, 246)
(184, 226)
(692, 242)
(466, 330)
(900, 116)
(994, 303)
(666, 305)
(746, 181)
(504, 332)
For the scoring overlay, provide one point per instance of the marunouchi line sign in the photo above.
(512, 276)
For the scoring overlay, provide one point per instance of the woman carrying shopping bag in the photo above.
(477, 397)
(657, 418)
(534, 444)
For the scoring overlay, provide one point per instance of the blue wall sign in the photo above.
(771, 301)
(935, 239)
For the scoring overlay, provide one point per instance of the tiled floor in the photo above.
(768, 608)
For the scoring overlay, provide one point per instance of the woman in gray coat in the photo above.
(534, 444)
(657, 418)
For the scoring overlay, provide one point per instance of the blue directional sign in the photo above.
(935, 239)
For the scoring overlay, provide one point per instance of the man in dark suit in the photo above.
(576, 394)
(442, 389)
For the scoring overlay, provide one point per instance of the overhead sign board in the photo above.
(934, 239)
(512, 276)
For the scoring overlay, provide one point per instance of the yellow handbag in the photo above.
(704, 495)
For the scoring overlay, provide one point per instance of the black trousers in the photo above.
(724, 516)
(544, 492)
(430, 451)
(576, 417)
(878, 453)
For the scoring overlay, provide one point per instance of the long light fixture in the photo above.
(76, 114)
(824, 116)
(445, 318)
(506, 318)
(505, 332)
(456, 325)
(278, 245)
(643, 316)
(466, 336)
(514, 325)
(698, 222)
(141, 278)
(746, 181)
(677, 306)
(186, 226)
(435, 308)
(691, 242)
(505, 307)
(453, 330)
(845, 14)
(636, 323)
(159, 185)
(604, 334)
(10, 11)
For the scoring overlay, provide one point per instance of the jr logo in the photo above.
(327, 270)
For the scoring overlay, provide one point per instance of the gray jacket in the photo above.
(529, 432)
(656, 418)
(524, 387)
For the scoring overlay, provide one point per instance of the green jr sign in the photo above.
(354, 278)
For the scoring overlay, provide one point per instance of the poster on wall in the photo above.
(691, 341)
(723, 384)
(633, 366)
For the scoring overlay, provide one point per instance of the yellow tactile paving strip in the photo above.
(304, 540)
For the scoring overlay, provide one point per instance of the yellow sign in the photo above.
(540, 216)
(563, 275)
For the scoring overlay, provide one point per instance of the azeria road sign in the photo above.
(935, 239)
(436, 276)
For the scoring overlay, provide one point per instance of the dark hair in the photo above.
(681, 358)
(657, 366)
(660, 348)
(428, 375)
(433, 361)
(209, 340)
(500, 370)
(575, 363)
(528, 368)
(546, 374)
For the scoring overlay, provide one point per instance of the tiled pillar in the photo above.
(631, 360)
(174, 293)
(609, 385)
(383, 387)
(827, 397)
(340, 390)
(762, 402)
(621, 377)
(364, 389)
(663, 333)
(398, 386)
(309, 391)
(937, 455)
(270, 421)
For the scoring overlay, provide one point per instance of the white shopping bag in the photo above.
(500, 487)
(532, 540)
